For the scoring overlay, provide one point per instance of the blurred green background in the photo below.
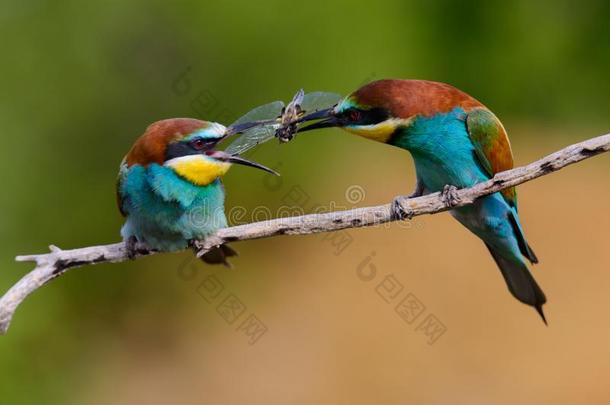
(80, 82)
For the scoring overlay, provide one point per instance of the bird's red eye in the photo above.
(198, 144)
(355, 115)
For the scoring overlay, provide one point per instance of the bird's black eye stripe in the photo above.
(192, 147)
(354, 116)
(200, 144)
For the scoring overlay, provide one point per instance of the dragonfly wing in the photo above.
(319, 100)
(260, 113)
(298, 98)
(252, 137)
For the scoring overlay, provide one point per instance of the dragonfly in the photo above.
(276, 120)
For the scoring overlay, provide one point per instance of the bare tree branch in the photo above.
(57, 262)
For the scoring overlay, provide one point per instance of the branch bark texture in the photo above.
(57, 262)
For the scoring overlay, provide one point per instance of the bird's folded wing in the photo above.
(491, 146)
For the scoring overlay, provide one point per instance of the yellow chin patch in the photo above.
(379, 132)
(198, 169)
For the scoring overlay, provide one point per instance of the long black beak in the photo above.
(227, 157)
(327, 119)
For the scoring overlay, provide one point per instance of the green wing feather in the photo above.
(493, 151)
(491, 146)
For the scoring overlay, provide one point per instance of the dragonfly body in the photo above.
(289, 118)
(276, 120)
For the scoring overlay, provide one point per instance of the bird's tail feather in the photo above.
(219, 255)
(524, 247)
(520, 281)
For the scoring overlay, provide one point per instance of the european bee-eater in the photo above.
(454, 140)
(169, 186)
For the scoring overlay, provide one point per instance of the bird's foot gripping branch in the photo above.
(57, 262)
(450, 196)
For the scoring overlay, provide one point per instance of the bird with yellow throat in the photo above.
(455, 141)
(169, 187)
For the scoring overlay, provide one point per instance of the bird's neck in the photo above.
(442, 150)
(431, 136)
(166, 183)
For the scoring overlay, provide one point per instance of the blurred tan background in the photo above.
(310, 321)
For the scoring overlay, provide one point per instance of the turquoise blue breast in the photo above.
(166, 211)
(442, 150)
(444, 155)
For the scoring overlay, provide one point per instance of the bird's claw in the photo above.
(398, 211)
(198, 247)
(213, 254)
(449, 196)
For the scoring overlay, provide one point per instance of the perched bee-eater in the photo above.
(169, 186)
(454, 140)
